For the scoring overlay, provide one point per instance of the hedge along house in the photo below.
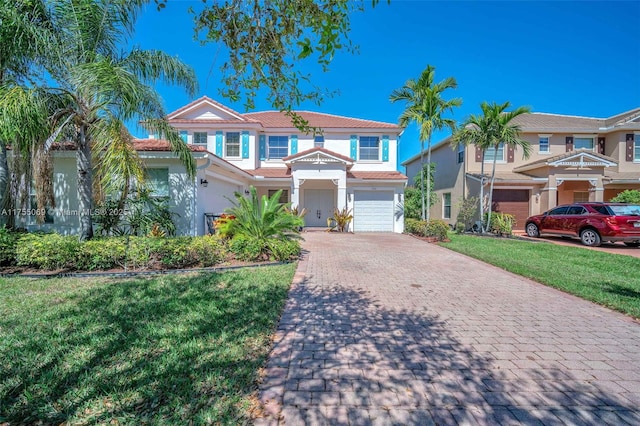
(352, 164)
(573, 159)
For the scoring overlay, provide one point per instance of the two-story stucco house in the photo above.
(573, 159)
(352, 164)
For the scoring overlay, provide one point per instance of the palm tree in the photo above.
(102, 88)
(426, 107)
(25, 34)
(489, 131)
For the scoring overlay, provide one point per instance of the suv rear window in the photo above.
(626, 210)
(602, 209)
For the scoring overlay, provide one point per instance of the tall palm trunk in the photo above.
(83, 162)
(482, 193)
(428, 178)
(4, 179)
(422, 178)
(493, 175)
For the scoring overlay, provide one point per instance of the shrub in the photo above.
(48, 251)
(8, 243)
(175, 252)
(501, 223)
(414, 226)
(102, 253)
(283, 250)
(468, 209)
(246, 248)
(436, 228)
(627, 196)
(340, 219)
(208, 250)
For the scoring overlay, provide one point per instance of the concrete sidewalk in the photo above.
(388, 329)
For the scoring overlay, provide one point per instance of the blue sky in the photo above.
(575, 58)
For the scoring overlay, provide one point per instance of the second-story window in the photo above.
(492, 152)
(636, 148)
(369, 148)
(278, 147)
(582, 142)
(543, 144)
(232, 145)
(318, 141)
(200, 138)
(460, 153)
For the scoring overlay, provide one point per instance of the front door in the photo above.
(320, 204)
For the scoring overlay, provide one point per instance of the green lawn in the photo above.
(178, 349)
(611, 280)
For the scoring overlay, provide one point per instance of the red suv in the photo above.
(593, 223)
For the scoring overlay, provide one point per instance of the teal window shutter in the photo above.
(263, 147)
(245, 144)
(219, 143)
(385, 147)
(183, 135)
(354, 147)
(294, 144)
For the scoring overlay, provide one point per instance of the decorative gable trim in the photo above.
(582, 159)
(205, 101)
(318, 156)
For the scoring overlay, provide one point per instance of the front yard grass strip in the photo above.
(611, 280)
(169, 349)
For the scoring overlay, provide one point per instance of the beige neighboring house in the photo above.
(572, 159)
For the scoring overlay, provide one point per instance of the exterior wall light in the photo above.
(204, 182)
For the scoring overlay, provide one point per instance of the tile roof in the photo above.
(621, 176)
(277, 119)
(539, 121)
(391, 175)
(318, 149)
(161, 145)
(562, 156)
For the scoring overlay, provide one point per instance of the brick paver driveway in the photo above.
(385, 328)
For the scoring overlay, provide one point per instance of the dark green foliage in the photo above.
(468, 209)
(246, 248)
(413, 195)
(434, 228)
(8, 243)
(47, 251)
(627, 196)
(141, 214)
(53, 251)
(284, 250)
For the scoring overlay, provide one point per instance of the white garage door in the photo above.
(373, 211)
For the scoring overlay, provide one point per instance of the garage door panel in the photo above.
(373, 211)
(514, 202)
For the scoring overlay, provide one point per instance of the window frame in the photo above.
(284, 196)
(501, 148)
(279, 139)
(318, 141)
(153, 191)
(446, 207)
(377, 149)
(206, 138)
(584, 137)
(460, 153)
(226, 145)
(636, 148)
(548, 144)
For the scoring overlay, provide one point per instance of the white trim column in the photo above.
(295, 191)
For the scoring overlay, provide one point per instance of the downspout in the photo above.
(194, 204)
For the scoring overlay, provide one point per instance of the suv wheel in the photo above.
(590, 237)
(632, 244)
(532, 230)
